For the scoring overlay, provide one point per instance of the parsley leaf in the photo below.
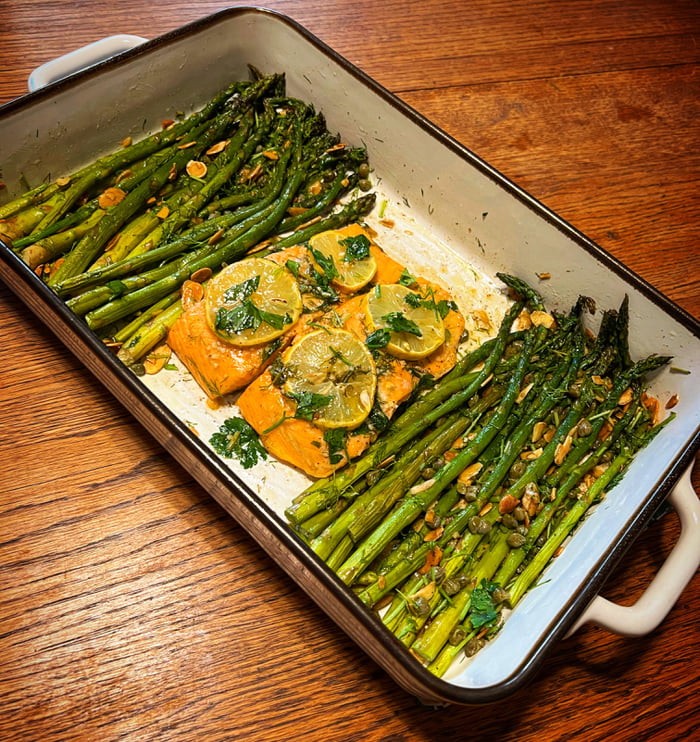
(398, 322)
(326, 263)
(247, 316)
(237, 439)
(444, 306)
(118, 288)
(483, 609)
(356, 248)
(378, 339)
(413, 300)
(308, 403)
(242, 291)
(335, 438)
(406, 279)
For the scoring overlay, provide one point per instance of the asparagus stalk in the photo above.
(431, 408)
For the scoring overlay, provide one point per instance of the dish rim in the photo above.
(185, 446)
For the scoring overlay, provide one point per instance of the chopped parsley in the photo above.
(308, 403)
(378, 339)
(398, 322)
(406, 279)
(247, 316)
(118, 288)
(483, 608)
(326, 263)
(242, 291)
(335, 439)
(356, 248)
(237, 439)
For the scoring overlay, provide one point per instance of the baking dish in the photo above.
(426, 179)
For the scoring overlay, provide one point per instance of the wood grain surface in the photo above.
(133, 608)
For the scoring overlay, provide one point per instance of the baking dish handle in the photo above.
(665, 589)
(79, 59)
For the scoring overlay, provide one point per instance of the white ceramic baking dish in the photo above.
(436, 192)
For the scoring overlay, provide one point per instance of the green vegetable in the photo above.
(237, 439)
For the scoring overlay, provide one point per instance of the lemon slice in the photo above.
(252, 301)
(331, 376)
(346, 260)
(410, 320)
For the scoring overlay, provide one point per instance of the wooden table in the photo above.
(134, 608)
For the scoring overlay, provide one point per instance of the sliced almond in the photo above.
(625, 397)
(470, 472)
(426, 592)
(523, 393)
(523, 321)
(435, 534)
(64, 181)
(542, 319)
(201, 275)
(218, 147)
(538, 430)
(196, 169)
(110, 197)
(482, 319)
(432, 559)
(562, 449)
(156, 359)
(672, 402)
(507, 504)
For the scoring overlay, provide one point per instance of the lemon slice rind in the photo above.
(347, 273)
(388, 309)
(252, 301)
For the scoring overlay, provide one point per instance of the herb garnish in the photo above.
(308, 403)
(483, 608)
(335, 438)
(237, 439)
(398, 322)
(356, 248)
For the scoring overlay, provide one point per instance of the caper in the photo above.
(450, 586)
(472, 647)
(427, 472)
(583, 429)
(364, 184)
(517, 470)
(373, 476)
(438, 575)
(478, 526)
(435, 520)
(419, 606)
(522, 530)
(519, 513)
(500, 595)
(138, 369)
(509, 521)
(574, 390)
(515, 540)
(363, 170)
(457, 636)
(468, 491)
